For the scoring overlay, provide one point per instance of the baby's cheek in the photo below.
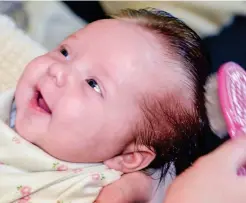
(39, 64)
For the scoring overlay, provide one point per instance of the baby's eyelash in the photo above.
(64, 52)
(93, 83)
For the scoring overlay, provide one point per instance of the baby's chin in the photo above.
(60, 151)
(20, 132)
(34, 140)
(25, 132)
(62, 154)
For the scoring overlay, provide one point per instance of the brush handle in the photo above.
(232, 96)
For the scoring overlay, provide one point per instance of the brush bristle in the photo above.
(214, 112)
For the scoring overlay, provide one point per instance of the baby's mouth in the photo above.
(41, 103)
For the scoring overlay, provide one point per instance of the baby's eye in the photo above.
(94, 85)
(64, 52)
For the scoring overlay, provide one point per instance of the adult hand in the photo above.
(213, 178)
(134, 187)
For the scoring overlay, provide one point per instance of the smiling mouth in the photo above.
(39, 103)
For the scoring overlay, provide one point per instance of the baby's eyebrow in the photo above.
(72, 36)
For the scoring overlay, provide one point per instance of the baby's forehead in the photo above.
(121, 32)
(117, 43)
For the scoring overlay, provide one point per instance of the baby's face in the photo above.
(79, 102)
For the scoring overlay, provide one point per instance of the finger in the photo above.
(112, 193)
(233, 152)
(133, 187)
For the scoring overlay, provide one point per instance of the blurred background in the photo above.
(49, 22)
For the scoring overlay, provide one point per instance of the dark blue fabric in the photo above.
(228, 45)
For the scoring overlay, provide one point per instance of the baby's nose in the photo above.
(59, 73)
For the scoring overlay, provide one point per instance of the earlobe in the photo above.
(132, 159)
(139, 160)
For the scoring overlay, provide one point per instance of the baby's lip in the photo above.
(42, 102)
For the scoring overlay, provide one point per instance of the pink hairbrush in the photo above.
(232, 96)
(226, 100)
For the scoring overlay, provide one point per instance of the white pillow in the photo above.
(16, 50)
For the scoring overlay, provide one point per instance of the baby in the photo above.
(126, 92)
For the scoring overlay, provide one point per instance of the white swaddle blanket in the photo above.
(28, 174)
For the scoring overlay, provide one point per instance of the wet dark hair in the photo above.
(172, 130)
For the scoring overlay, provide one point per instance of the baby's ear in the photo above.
(133, 158)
